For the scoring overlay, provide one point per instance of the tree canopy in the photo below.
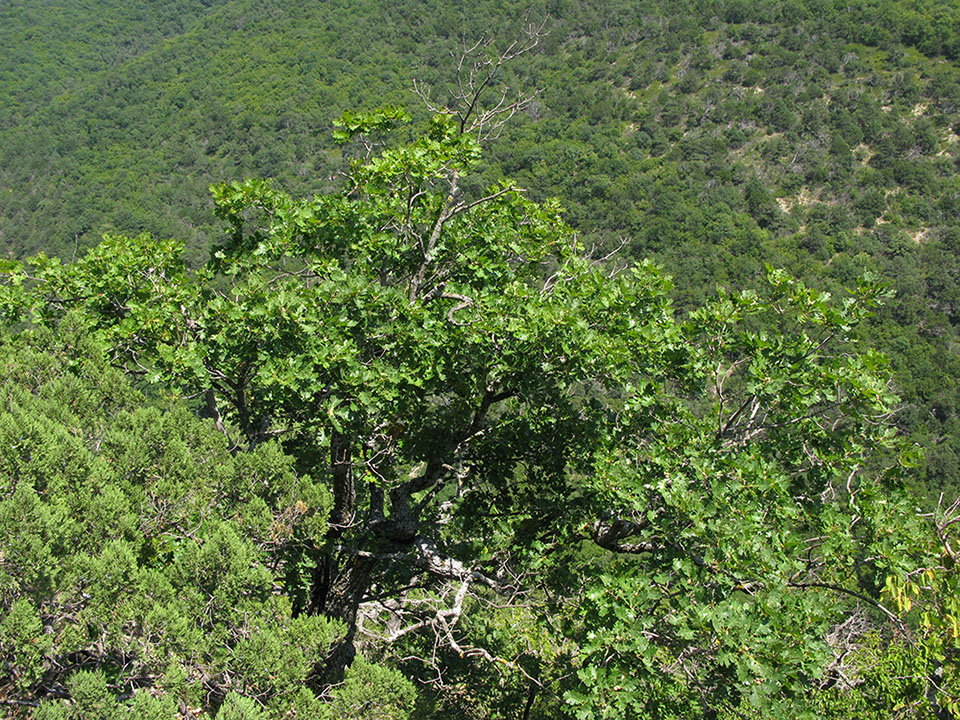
(439, 442)
(714, 137)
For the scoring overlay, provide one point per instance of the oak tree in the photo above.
(682, 508)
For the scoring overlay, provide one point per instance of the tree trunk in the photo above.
(341, 598)
(341, 577)
(934, 682)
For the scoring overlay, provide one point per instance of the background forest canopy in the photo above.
(404, 447)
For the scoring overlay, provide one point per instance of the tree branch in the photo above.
(853, 593)
(609, 533)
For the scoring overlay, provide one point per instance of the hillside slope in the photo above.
(715, 137)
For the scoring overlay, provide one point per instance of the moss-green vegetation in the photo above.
(442, 446)
(446, 465)
(714, 137)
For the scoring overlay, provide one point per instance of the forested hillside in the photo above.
(327, 395)
(713, 137)
(451, 466)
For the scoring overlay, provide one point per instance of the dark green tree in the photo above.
(495, 415)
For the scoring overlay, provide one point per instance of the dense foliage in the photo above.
(442, 444)
(406, 448)
(715, 137)
(141, 571)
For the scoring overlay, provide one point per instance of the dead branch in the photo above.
(477, 69)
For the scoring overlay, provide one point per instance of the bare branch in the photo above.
(463, 207)
(464, 303)
(432, 561)
(476, 74)
(943, 519)
(610, 533)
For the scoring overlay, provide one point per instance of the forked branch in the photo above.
(477, 69)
